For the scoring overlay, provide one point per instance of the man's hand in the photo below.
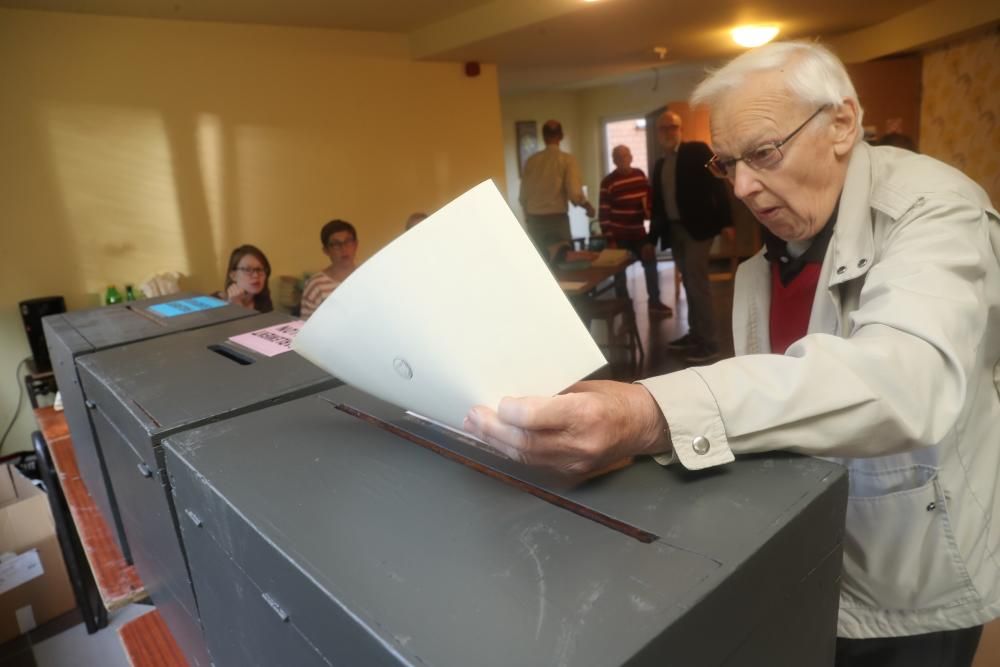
(591, 426)
(589, 208)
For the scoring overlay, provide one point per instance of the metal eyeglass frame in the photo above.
(753, 158)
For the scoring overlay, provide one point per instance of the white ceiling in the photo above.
(555, 43)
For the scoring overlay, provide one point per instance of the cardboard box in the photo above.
(34, 586)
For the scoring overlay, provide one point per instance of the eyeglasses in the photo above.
(762, 157)
(251, 270)
(337, 245)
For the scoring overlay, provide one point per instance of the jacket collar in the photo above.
(853, 245)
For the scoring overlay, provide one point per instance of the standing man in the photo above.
(868, 331)
(624, 207)
(551, 178)
(690, 208)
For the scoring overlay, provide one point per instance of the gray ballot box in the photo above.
(336, 530)
(144, 392)
(75, 334)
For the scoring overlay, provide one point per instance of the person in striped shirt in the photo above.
(340, 243)
(624, 207)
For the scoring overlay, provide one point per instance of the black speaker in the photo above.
(32, 312)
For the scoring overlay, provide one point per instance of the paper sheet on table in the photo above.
(459, 311)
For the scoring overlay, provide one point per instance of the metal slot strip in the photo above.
(614, 524)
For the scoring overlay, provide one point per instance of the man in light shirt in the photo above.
(550, 181)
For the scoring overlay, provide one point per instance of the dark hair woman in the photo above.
(246, 279)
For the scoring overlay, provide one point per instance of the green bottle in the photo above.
(112, 295)
(129, 294)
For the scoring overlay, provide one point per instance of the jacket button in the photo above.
(862, 262)
(841, 269)
(931, 506)
(701, 445)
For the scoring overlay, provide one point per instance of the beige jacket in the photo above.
(899, 375)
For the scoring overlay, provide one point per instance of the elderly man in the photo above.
(624, 207)
(868, 330)
(689, 209)
(551, 181)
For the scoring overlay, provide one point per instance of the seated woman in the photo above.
(246, 279)
(340, 244)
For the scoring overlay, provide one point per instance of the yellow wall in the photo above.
(960, 111)
(132, 146)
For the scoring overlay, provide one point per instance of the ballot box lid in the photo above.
(131, 321)
(177, 381)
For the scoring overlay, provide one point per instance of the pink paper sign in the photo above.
(272, 340)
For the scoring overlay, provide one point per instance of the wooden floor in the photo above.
(117, 581)
(148, 643)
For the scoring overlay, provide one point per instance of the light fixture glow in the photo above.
(754, 35)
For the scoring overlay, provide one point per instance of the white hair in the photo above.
(811, 72)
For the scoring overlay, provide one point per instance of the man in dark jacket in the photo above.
(690, 207)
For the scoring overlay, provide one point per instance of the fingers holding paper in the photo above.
(590, 427)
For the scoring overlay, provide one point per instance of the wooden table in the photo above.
(590, 277)
(116, 581)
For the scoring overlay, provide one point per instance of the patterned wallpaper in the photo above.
(960, 113)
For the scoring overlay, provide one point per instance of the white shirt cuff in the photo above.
(696, 429)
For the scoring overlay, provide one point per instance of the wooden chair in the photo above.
(608, 310)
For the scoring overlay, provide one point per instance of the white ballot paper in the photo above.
(459, 311)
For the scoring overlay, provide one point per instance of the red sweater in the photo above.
(791, 305)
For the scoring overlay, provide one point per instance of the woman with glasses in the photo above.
(340, 244)
(246, 279)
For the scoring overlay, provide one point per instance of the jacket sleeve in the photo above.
(720, 198)
(895, 382)
(657, 224)
(718, 213)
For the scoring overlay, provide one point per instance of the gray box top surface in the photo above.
(446, 566)
(175, 381)
(122, 323)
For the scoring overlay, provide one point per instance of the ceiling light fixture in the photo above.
(754, 35)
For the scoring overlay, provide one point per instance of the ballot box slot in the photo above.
(231, 354)
(634, 532)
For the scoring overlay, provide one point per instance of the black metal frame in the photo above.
(36, 384)
(88, 597)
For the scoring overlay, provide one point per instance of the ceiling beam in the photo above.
(482, 22)
(933, 22)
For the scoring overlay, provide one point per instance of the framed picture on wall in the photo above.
(526, 132)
